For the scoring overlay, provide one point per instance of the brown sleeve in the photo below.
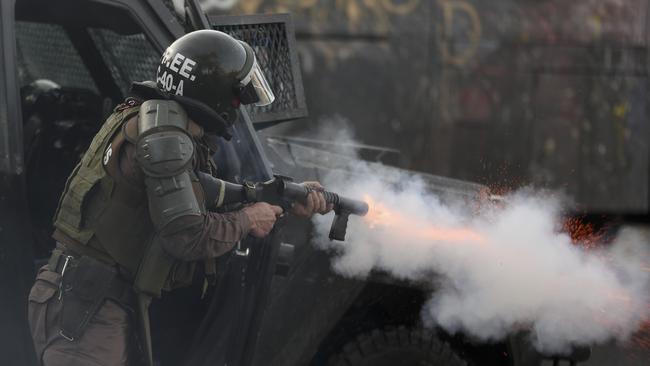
(129, 168)
(207, 236)
(192, 237)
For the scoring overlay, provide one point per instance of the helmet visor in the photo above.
(256, 89)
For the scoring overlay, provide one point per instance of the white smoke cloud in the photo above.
(514, 270)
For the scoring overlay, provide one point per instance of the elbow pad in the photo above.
(164, 151)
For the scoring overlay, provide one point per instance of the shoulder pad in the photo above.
(157, 114)
(130, 129)
(164, 153)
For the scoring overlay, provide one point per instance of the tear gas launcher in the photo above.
(281, 191)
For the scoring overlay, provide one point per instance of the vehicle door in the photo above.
(230, 332)
(28, 19)
(16, 265)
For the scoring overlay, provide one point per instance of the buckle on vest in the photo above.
(68, 338)
(65, 266)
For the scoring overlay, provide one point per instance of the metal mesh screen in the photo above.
(274, 47)
(46, 52)
(170, 5)
(129, 57)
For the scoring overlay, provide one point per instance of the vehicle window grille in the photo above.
(170, 5)
(129, 57)
(44, 51)
(272, 38)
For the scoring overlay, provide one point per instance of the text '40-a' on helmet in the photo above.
(215, 69)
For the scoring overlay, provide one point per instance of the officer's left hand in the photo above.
(315, 202)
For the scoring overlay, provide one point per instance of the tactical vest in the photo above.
(107, 217)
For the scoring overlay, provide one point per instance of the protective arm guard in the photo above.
(164, 150)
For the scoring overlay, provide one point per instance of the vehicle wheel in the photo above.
(396, 346)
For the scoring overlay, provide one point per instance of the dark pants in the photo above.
(107, 340)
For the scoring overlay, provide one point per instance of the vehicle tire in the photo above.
(396, 346)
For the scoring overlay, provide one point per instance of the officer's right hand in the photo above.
(262, 217)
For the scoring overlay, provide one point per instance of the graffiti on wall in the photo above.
(351, 15)
(534, 88)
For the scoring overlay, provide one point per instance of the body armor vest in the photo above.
(103, 215)
(106, 216)
(95, 211)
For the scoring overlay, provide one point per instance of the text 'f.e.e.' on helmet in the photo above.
(215, 69)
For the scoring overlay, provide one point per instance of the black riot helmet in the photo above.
(215, 69)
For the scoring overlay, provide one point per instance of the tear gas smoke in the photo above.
(496, 270)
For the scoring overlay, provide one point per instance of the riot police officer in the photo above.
(133, 219)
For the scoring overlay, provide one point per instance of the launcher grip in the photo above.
(343, 207)
(339, 226)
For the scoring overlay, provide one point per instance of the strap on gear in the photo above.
(144, 326)
(85, 285)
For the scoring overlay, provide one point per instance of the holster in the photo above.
(85, 285)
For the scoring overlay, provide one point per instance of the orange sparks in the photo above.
(640, 340)
(381, 216)
(582, 234)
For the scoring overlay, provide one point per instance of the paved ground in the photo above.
(615, 356)
(612, 355)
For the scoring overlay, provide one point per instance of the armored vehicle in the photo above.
(64, 65)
